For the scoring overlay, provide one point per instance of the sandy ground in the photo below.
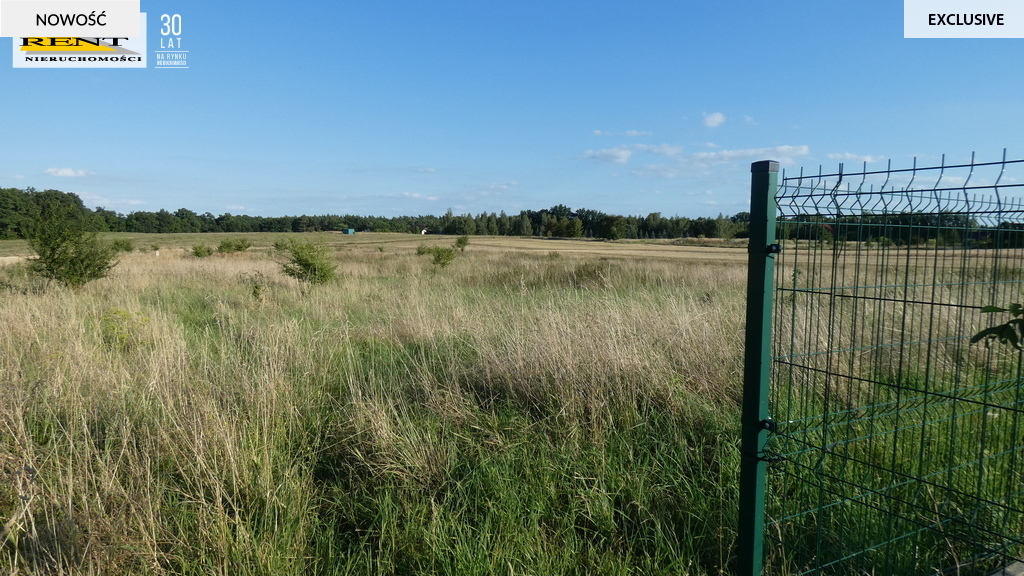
(5, 260)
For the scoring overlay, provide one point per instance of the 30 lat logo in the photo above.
(171, 53)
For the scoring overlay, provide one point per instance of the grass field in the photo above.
(537, 407)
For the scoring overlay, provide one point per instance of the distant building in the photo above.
(349, 231)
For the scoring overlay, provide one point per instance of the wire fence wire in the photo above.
(896, 444)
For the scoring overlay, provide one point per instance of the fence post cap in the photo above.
(765, 166)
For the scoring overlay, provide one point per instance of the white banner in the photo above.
(69, 18)
(963, 19)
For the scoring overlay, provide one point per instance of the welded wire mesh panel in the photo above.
(898, 446)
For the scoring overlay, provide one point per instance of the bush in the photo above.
(200, 251)
(443, 256)
(65, 250)
(229, 245)
(122, 246)
(309, 263)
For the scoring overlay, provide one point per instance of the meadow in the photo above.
(537, 407)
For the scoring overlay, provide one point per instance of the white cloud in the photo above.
(658, 171)
(234, 207)
(622, 154)
(618, 155)
(750, 121)
(427, 170)
(714, 120)
(676, 164)
(416, 196)
(496, 188)
(856, 157)
(661, 149)
(626, 133)
(783, 154)
(67, 172)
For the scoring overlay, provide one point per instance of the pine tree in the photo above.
(525, 229)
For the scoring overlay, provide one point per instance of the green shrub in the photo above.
(309, 263)
(122, 245)
(65, 250)
(229, 245)
(443, 256)
(201, 251)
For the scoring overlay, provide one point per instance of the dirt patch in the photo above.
(5, 260)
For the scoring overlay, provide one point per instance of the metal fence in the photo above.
(877, 439)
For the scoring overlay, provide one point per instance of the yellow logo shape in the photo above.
(68, 45)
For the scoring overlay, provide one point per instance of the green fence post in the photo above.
(756, 365)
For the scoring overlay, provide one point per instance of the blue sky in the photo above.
(389, 108)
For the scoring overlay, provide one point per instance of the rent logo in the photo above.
(104, 46)
(84, 52)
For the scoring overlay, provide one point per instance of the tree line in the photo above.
(940, 229)
(17, 209)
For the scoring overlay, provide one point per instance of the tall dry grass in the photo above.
(522, 412)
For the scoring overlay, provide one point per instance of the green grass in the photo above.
(535, 407)
(575, 417)
(907, 482)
